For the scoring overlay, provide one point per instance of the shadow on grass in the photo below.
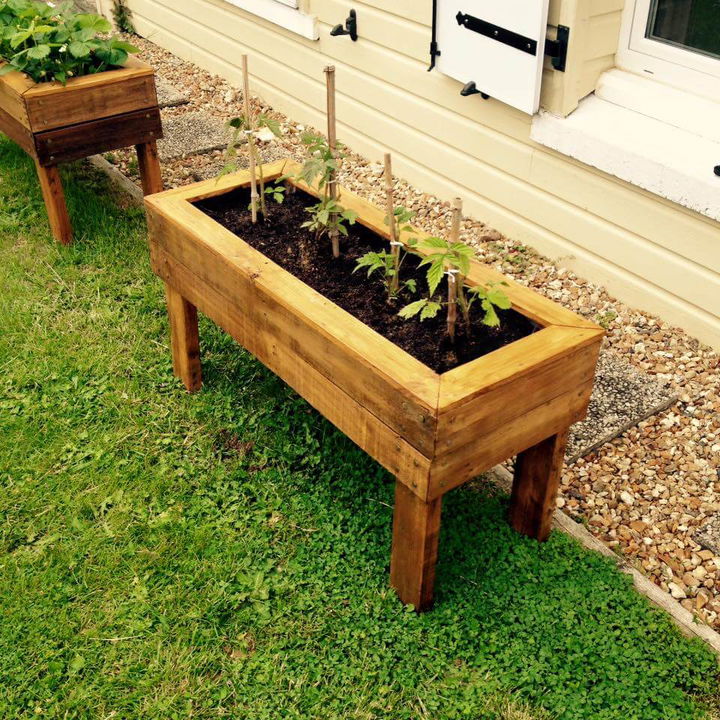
(226, 554)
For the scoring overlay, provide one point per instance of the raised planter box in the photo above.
(432, 431)
(57, 123)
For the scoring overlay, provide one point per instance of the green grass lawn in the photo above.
(226, 554)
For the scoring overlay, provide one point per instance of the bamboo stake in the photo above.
(332, 143)
(394, 240)
(452, 303)
(454, 276)
(251, 139)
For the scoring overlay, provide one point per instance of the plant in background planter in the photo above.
(382, 381)
(67, 92)
(53, 43)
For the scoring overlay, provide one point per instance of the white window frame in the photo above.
(662, 61)
(288, 14)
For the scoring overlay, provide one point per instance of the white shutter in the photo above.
(509, 70)
(291, 3)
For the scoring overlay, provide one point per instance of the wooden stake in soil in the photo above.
(251, 139)
(454, 277)
(332, 143)
(394, 240)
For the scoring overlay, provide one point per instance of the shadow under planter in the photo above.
(57, 123)
(432, 431)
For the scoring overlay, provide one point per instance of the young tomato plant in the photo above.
(390, 263)
(240, 126)
(327, 217)
(453, 259)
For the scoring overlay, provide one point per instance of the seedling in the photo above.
(327, 217)
(390, 263)
(240, 126)
(248, 125)
(451, 258)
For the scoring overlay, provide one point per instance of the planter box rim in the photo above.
(23, 85)
(563, 332)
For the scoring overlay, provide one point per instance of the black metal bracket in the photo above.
(471, 89)
(558, 49)
(350, 27)
(495, 32)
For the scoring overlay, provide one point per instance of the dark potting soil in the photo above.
(279, 238)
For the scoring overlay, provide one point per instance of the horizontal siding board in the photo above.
(550, 202)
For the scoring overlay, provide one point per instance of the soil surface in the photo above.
(282, 239)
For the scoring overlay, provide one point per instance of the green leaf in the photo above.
(412, 309)
(435, 275)
(491, 318)
(39, 52)
(270, 123)
(433, 243)
(498, 298)
(79, 49)
(430, 310)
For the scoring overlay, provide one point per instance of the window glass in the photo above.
(692, 24)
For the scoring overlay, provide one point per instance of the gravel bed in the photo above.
(622, 397)
(646, 493)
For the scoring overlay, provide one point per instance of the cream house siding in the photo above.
(647, 251)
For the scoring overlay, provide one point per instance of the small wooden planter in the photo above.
(432, 431)
(57, 123)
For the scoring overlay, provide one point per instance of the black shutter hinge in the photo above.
(558, 49)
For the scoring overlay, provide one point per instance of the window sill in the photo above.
(656, 137)
(282, 15)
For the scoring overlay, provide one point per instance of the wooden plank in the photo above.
(416, 532)
(150, 169)
(537, 479)
(501, 403)
(184, 339)
(116, 92)
(12, 87)
(511, 438)
(377, 439)
(16, 131)
(466, 383)
(97, 136)
(380, 376)
(52, 190)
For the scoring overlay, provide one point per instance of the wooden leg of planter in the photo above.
(416, 531)
(54, 197)
(184, 339)
(150, 170)
(537, 479)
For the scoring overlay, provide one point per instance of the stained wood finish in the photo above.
(433, 432)
(537, 479)
(149, 163)
(89, 138)
(54, 197)
(84, 99)
(416, 532)
(57, 123)
(184, 339)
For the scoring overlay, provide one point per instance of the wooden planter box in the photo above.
(57, 123)
(432, 431)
